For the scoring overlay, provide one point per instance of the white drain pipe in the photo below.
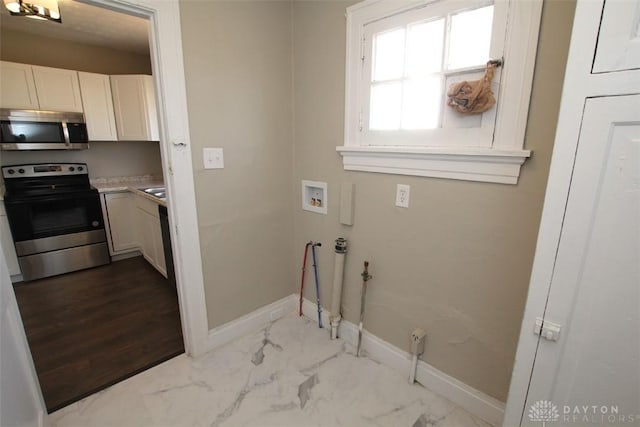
(336, 294)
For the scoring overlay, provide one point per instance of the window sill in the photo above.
(469, 164)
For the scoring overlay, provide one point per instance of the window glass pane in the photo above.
(386, 105)
(470, 38)
(421, 103)
(424, 48)
(388, 55)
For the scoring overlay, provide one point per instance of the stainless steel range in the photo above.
(55, 218)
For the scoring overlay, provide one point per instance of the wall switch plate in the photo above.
(402, 195)
(213, 158)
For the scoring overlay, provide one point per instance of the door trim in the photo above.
(165, 37)
(579, 84)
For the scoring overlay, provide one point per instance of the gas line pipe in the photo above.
(365, 278)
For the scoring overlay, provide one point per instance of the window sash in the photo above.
(480, 136)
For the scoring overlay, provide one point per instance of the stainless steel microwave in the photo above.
(42, 130)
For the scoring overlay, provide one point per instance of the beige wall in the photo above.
(237, 58)
(457, 262)
(28, 48)
(104, 159)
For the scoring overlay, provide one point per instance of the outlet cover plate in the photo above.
(402, 195)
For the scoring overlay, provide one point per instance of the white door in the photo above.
(21, 402)
(619, 39)
(595, 287)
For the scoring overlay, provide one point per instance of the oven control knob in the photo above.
(71, 168)
(21, 170)
(95, 223)
(11, 171)
(80, 168)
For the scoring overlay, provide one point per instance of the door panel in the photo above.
(21, 402)
(595, 289)
(619, 38)
(98, 106)
(120, 208)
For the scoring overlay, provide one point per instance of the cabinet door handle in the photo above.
(179, 144)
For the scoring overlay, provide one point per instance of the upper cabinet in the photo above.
(17, 87)
(134, 104)
(98, 106)
(58, 90)
(116, 108)
(32, 87)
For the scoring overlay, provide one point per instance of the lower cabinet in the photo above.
(7, 243)
(118, 210)
(150, 233)
(133, 224)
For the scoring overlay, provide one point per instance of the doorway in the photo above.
(177, 173)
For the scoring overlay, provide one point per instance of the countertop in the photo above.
(134, 184)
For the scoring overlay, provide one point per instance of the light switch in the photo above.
(213, 158)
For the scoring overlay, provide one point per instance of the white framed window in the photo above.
(403, 55)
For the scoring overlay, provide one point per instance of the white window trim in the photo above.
(499, 163)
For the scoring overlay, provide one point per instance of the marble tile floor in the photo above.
(288, 374)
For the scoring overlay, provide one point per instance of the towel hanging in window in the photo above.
(473, 97)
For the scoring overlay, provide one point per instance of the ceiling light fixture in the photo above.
(37, 9)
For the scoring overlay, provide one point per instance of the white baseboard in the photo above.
(476, 402)
(16, 278)
(251, 322)
(126, 255)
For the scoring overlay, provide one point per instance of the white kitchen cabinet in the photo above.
(17, 87)
(57, 89)
(118, 210)
(150, 237)
(7, 243)
(134, 104)
(98, 106)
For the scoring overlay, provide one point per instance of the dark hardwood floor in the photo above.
(90, 329)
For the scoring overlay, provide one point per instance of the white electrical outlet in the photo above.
(213, 158)
(402, 195)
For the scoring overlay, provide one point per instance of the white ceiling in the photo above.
(86, 24)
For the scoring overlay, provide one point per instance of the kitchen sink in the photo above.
(159, 192)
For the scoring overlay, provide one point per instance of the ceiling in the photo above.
(86, 24)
